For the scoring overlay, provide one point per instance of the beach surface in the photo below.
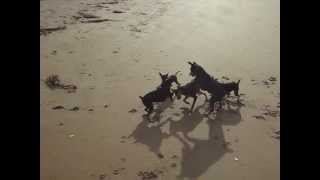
(113, 50)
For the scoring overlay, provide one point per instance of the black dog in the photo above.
(191, 89)
(232, 86)
(210, 84)
(160, 94)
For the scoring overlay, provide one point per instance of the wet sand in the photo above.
(114, 62)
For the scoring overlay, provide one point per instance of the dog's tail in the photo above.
(177, 73)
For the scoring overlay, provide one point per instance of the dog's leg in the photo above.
(171, 97)
(238, 100)
(211, 108)
(205, 95)
(151, 109)
(185, 100)
(194, 102)
(220, 105)
(228, 106)
(212, 102)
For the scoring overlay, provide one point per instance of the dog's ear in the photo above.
(194, 63)
(238, 82)
(190, 63)
(160, 74)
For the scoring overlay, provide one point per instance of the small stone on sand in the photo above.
(117, 11)
(272, 79)
(174, 157)
(76, 108)
(160, 156)
(102, 176)
(54, 52)
(132, 111)
(226, 78)
(58, 107)
(115, 172)
(173, 165)
(259, 117)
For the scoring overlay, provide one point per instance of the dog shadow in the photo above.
(187, 123)
(149, 135)
(202, 154)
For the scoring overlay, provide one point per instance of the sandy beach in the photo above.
(113, 50)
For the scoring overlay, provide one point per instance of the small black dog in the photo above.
(160, 94)
(232, 86)
(209, 83)
(228, 88)
(191, 89)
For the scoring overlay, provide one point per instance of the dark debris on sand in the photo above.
(102, 176)
(118, 171)
(48, 30)
(97, 20)
(160, 156)
(118, 11)
(173, 165)
(174, 157)
(272, 78)
(53, 82)
(226, 78)
(76, 108)
(133, 111)
(58, 107)
(145, 175)
(272, 113)
(259, 117)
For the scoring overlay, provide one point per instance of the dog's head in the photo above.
(164, 77)
(195, 69)
(174, 78)
(168, 80)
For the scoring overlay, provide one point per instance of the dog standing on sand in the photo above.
(160, 94)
